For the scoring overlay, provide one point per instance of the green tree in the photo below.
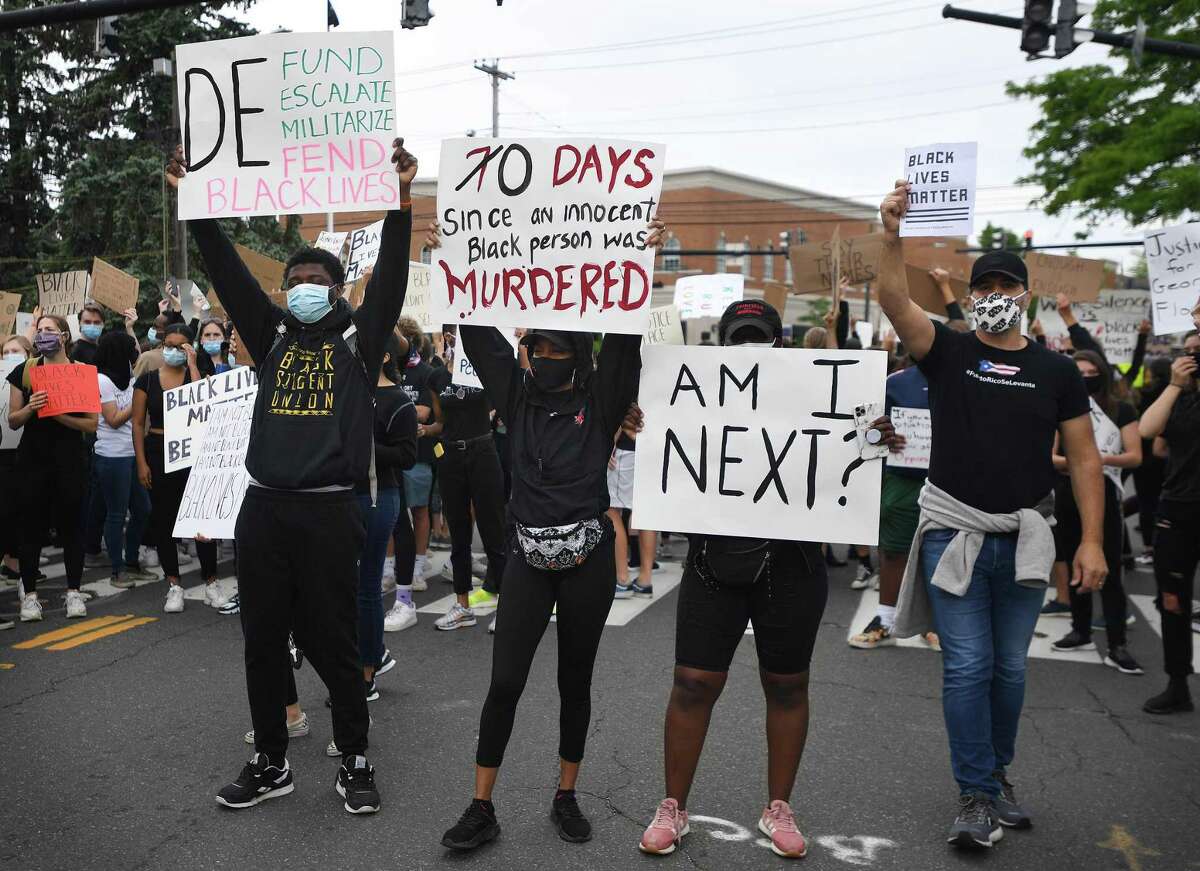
(990, 235)
(1122, 140)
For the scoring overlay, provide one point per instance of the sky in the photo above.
(820, 94)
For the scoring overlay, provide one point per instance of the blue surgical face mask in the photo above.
(152, 336)
(232, 360)
(309, 302)
(174, 356)
(91, 332)
(212, 348)
(14, 357)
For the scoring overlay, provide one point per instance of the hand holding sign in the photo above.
(893, 209)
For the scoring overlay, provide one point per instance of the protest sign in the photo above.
(812, 262)
(363, 250)
(462, 372)
(186, 411)
(1113, 320)
(923, 290)
(113, 288)
(70, 388)
(941, 195)
(665, 327)
(24, 323)
(753, 442)
(1173, 258)
(546, 232)
(287, 123)
(331, 242)
(707, 296)
(217, 484)
(62, 293)
(775, 295)
(267, 271)
(9, 304)
(914, 424)
(1078, 277)
(9, 438)
(187, 298)
(418, 295)
(865, 331)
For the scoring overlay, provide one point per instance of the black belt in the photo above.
(463, 444)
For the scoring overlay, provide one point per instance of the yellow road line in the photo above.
(101, 633)
(5, 666)
(70, 631)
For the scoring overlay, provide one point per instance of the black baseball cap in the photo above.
(1002, 262)
(561, 339)
(750, 313)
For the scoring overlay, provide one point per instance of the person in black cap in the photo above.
(981, 557)
(562, 414)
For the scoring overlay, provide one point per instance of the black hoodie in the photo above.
(314, 414)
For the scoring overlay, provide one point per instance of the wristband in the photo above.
(406, 204)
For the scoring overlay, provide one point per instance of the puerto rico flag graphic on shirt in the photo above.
(987, 367)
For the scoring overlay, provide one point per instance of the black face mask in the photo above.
(550, 374)
(1093, 383)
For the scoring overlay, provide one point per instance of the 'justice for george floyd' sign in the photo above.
(287, 123)
(757, 442)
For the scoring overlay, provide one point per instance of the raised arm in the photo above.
(1154, 419)
(1139, 353)
(495, 364)
(1081, 338)
(618, 371)
(911, 323)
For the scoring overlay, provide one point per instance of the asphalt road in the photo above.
(113, 749)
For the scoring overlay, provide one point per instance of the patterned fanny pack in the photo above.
(558, 548)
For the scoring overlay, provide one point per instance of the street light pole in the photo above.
(493, 70)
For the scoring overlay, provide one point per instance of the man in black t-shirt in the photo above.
(983, 550)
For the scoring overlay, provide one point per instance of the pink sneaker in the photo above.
(778, 824)
(669, 826)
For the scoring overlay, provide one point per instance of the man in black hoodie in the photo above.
(300, 531)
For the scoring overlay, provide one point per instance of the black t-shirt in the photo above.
(995, 413)
(465, 412)
(42, 435)
(150, 384)
(421, 382)
(1182, 482)
(84, 352)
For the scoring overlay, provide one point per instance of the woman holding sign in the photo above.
(51, 463)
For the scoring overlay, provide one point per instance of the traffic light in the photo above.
(416, 14)
(108, 41)
(1028, 239)
(1037, 26)
(1069, 13)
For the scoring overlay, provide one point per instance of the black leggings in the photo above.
(10, 504)
(584, 596)
(1067, 534)
(473, 477)
(1176, 553)
(166, 492)
(405, 543)
(52, 494)
(1148, 478)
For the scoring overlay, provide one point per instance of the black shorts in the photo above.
(784, 608)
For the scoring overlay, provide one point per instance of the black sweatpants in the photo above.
(473, 477)
(52, 493)
(298, 571)
(166, 493)
(1176, 553)
(1112, 594)
(1148, 478)
(584, 596)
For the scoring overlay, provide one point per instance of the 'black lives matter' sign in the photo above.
(941, 193)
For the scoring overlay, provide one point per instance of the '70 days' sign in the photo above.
(287, 123)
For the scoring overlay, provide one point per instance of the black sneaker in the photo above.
(233, 606)
(386, 664)
(356, 784)
(1119, 658)
(976, 824)
(477, 826)
(1175, 699)
(372, 691)
(1007, 809)
(1073, 641)
(572, 825)
(258, 782)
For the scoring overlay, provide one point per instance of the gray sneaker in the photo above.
(139, 575)
(1008, 810)
(976, 824)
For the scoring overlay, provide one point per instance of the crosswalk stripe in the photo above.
(71, 631)
(102, 633)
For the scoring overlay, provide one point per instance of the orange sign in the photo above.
(71, 387)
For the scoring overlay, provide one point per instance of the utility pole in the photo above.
(497, 74)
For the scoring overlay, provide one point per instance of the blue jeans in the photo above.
(985, 637)
(379, 522)
(122, 493)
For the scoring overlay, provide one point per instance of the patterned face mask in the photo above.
(997, 312)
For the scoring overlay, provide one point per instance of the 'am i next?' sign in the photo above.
(287, 123)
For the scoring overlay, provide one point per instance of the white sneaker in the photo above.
(148, 556)
(492, 627)
(298, 729)
(75, 604)
(402, 616)
(31, 608)
(185, 558)
(174, 603)
(478, 566)
(388, 583)
(213, 597)
(419, 585)
(96, 560)
(332, 749)
(428, 570)
(457, 617)
(862, 578)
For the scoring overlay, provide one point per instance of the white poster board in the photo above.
(9, 438)
(865, 331)
(1173, 258)
(915, 425)
(1113, 320)
(217, 484)
(462, 372)
(941, 196)
(363, 251)
(665, 327)
(186, 411)
(287, 123)
(418, 295)
(546, 233)
(752, 442)
(707, 296)
(331, 242)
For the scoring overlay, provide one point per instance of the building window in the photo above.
(670, 259)
(721, 257)
(746, 258)
(426, 254)
(769, 265)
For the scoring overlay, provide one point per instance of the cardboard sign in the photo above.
(418, 296)
(113, 288)
(70, 388)
(187, 408)
(218, 481)
(916, 427)
(1173, 258)
(331, 242)
(1113, 320)
(546, 232)
(707, 296)
(665, 327)
(267, 271)
(923, 290)
(812, 263)
(62, 293)
(753, 442)
(363, 250)
(287, 123)
(10, 303)
(1078, 277)
(941, 197)
(9, 438)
